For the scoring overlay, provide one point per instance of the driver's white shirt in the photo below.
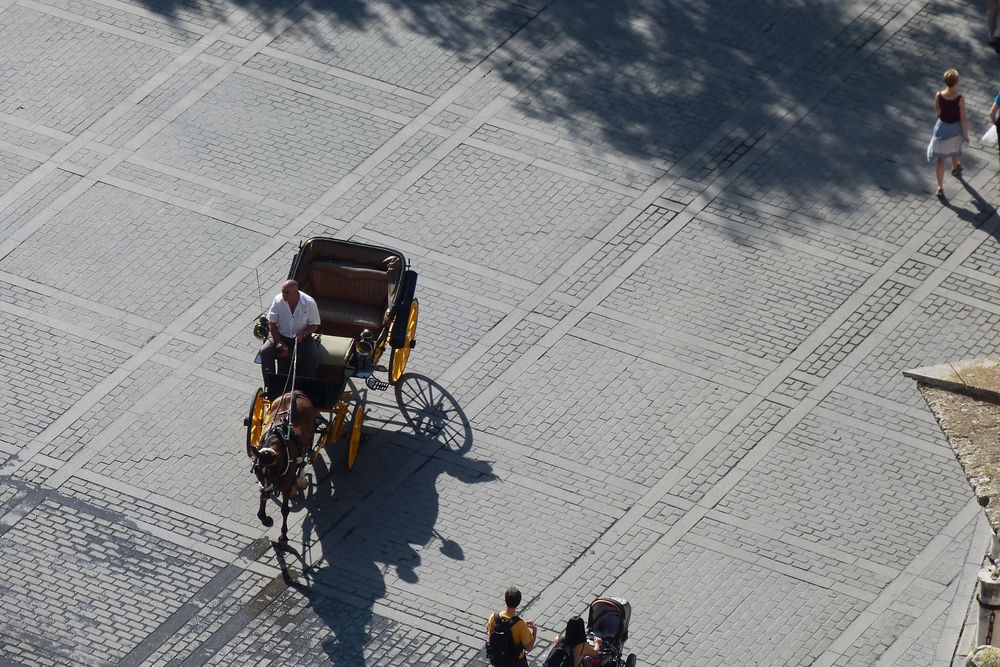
(306, 314)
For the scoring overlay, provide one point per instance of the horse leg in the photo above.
(261, 514)
(284, 519)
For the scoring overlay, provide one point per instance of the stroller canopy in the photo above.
(609, 617)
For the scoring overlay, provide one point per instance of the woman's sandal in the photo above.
(940, 192)
(956, 170)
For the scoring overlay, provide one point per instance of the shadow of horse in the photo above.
(368, 527)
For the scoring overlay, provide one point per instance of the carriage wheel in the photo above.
(255, 421)
(325, 436)
(631, 660)
(400, 355)
(355, 442)
(339, 417)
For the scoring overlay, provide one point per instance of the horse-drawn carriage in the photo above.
(366, 301)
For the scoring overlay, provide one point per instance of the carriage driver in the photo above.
(293, 316)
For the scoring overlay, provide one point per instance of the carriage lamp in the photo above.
(365, 345)
(260, 328)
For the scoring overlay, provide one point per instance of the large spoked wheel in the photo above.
(432, 412)
(354, 443)
(337, 427)
(255, 421)
(400, 355)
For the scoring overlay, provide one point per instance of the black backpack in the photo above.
(559, 656)
(501, 647)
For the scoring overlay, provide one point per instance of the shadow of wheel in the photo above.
(432, 412)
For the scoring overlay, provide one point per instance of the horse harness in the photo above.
(282, 429)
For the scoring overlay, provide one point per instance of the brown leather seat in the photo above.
(349, 297)
(353, 314)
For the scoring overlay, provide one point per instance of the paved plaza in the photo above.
(674, 256)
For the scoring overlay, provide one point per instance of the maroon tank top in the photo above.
(950, 113)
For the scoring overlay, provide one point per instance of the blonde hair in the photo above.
(951, 77)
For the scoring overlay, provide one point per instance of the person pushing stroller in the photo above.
(599, 643)
(572, 648)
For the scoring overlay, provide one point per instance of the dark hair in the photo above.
(512, 597)
(576, 632)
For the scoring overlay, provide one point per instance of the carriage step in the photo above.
(375, 384)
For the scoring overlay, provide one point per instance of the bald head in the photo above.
(290, 291)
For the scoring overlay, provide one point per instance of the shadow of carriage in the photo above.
(361, 530)
(354, 531)
(427, 409)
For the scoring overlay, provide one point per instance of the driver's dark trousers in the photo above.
(308, 357)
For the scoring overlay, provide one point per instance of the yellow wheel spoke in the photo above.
(400, 355)
(355, 442)
(256, 420)
(337, 431)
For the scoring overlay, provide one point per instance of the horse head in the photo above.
(271, 457)
(267, 456)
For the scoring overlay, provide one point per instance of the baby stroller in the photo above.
(608, 619)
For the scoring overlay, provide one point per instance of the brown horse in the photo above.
(282, 452)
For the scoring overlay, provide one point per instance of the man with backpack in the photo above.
(508, 636)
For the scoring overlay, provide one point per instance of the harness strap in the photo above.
(288, 436)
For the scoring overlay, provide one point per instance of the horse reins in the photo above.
(286, 433)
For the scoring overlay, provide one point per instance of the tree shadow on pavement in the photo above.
(677, 85)
(371, 526)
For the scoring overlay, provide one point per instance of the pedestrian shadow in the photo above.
(978, 213)
(368, 528)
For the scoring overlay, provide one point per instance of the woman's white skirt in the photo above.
(946, 141)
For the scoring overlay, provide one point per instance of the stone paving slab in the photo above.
(247, 121)
(458, 204)
(824, 499)
(428, 61)
(165, 451)
(70, 440)
(692, 265)
(731, 621)
(130, 268)
(936, 324)
(670, 275)
(96, 587)
(66, 74)
(47, 375)
(318, 631)
(603, 427)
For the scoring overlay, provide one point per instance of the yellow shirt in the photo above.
(520, 632)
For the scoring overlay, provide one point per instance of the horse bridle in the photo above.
(282, 430)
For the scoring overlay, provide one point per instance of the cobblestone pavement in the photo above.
(674, 257)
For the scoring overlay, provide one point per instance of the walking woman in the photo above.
(950, 131)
